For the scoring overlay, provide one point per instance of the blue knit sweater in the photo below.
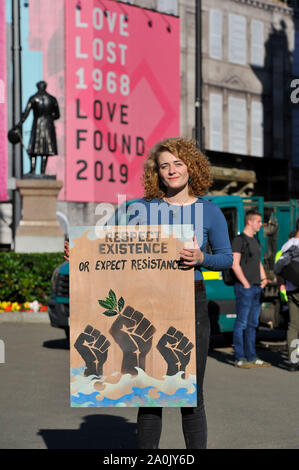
(205, 218)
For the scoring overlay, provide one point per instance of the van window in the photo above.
(230, 214)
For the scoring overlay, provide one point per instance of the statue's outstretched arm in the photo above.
(26, 112)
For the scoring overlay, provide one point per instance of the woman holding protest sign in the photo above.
(177, 175)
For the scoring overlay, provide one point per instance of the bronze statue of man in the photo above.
(43, 136)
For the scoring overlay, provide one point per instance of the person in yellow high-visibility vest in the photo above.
(289, 293)
(282, 286)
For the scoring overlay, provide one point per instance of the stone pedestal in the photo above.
(39, 230)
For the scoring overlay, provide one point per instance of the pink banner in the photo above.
(122, 95)
(3, 107)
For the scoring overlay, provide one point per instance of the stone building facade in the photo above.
(250, 55)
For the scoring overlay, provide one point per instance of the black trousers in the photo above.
(194, 423)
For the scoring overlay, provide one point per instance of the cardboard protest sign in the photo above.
(132, 336)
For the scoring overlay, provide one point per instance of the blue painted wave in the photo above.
(132, 391)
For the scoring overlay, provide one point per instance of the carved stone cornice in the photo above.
(270, 6)
(234, 81)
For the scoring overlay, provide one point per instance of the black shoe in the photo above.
(293, 367)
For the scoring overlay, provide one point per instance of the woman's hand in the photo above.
(66, 251)
(192, 256)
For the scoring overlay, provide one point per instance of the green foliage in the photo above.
(27, 276)
(112, 306)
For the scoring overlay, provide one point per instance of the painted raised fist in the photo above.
(134, 334)
(93, 348)
(175, 349)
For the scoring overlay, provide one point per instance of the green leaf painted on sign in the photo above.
(112, 296)
(106, 304)
(121, 304)
(110, 313)
(110, 302)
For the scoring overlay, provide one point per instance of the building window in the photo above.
(168, 6)
(257, 43)
(216, 34)
(216, 122)
(237, 125)
(257, 129)
(237, 50)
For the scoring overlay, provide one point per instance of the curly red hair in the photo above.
(199, 167)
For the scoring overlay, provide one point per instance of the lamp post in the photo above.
(198, 77)
(17, 163)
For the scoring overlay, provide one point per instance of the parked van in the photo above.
(279, 220)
